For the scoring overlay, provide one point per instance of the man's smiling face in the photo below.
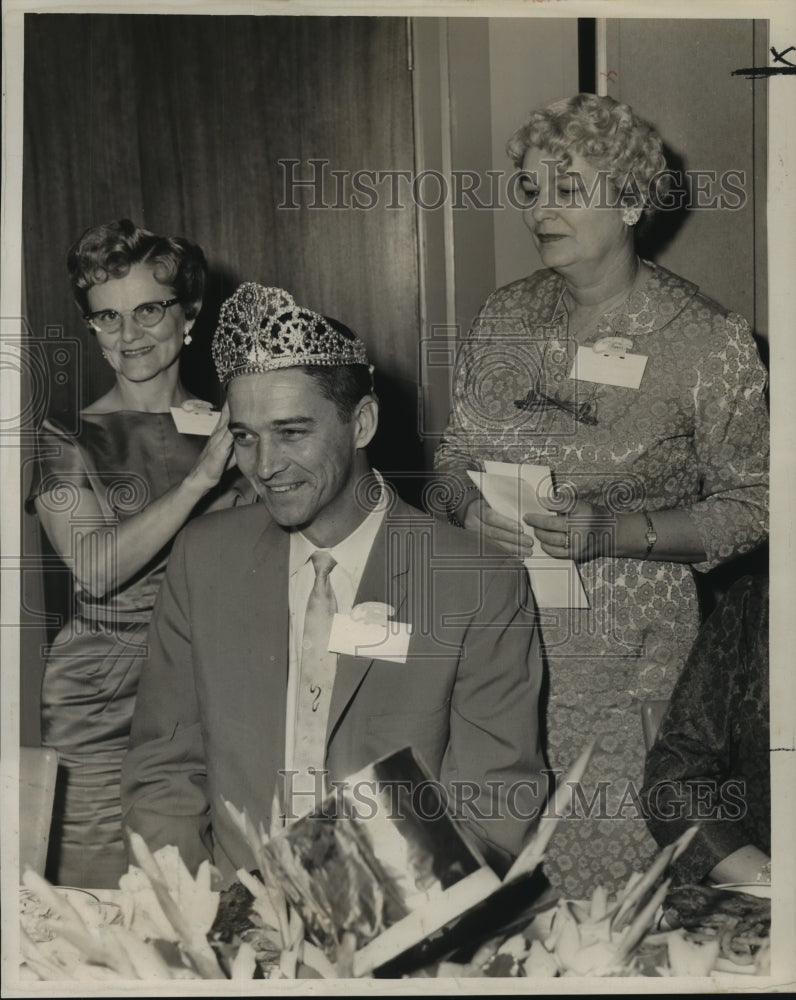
(297, 452)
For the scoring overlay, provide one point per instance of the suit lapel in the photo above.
(384, 580)
(267, 647)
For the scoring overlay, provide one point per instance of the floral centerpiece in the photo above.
(339, 899)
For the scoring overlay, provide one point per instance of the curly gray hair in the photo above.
(610, 135)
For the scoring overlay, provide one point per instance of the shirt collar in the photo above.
(352, 552)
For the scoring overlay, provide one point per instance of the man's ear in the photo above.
(365, 420)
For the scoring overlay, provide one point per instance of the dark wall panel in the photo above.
(179, 123)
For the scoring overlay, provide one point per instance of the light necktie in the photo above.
(318, 668)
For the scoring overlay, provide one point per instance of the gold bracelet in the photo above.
(452, 517)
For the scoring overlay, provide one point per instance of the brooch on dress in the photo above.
(582, 412)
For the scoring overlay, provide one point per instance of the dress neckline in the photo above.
(651, 306)
(114, 413)
(583, 333)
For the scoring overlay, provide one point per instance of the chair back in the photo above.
(652, 713)
(38, 767)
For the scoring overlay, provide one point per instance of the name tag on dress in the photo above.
(608, 368)
(379, 641)
(195, 421)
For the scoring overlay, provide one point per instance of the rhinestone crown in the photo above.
(261, 329)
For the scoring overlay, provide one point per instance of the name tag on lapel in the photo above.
(378, 641)
(625, 370)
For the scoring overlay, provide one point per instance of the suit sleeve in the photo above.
(493, 762)
(164, 773)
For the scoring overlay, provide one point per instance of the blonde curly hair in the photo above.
(610, 135)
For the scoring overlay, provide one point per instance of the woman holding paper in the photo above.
(645, 401)
(111, 498)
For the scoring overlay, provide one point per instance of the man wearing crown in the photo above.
(297, 640)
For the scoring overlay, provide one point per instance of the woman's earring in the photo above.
(186, 337)
(105, 355)
(630, 216)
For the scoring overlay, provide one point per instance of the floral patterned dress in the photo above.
(713, 745)
(693, 436)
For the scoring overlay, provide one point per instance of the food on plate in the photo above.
(738, 923)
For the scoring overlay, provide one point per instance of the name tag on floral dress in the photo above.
(609, 362)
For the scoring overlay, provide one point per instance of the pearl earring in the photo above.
(186, 337)
(630, 216)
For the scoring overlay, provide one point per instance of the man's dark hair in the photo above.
(344, 385)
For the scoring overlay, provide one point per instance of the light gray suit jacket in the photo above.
(210, 714)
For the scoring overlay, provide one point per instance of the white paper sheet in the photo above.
(514, 490)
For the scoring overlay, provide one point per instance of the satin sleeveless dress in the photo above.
(127, 459)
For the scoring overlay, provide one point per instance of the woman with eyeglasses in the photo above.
(645, 399)
(111, 498)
